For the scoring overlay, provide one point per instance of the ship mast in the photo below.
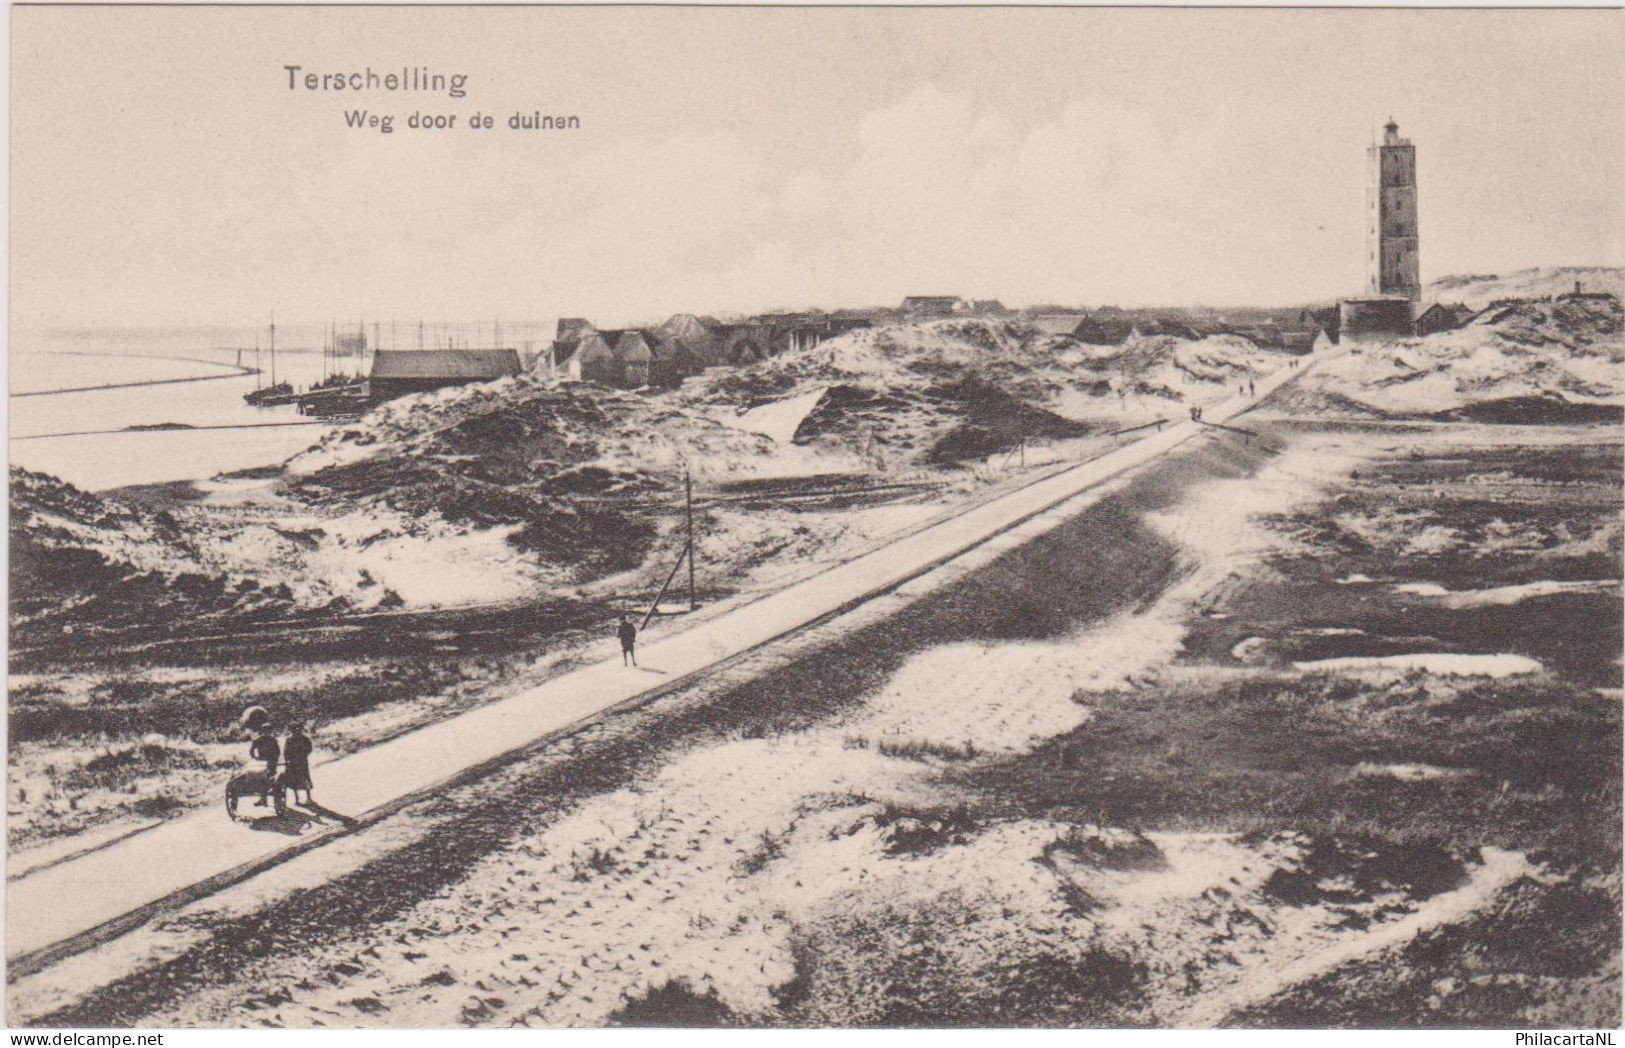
(273, 347)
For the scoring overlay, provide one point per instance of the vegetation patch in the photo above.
(913, 831)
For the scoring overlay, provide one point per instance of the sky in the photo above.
(739, 159)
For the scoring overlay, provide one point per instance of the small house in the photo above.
(671, 360)
(926, 307)
(564, 356)
(1172, 328)
(745, 344)
(1438, 317)
(594, 359)
(1301, 342)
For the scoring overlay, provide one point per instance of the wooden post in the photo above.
(688, 509)
(663, 588)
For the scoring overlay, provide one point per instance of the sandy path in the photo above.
(68, 907)
(710, 873)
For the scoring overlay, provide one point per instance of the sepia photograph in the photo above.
(824, 517)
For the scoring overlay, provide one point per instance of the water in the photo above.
(65, 433)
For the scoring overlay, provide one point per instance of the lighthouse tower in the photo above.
(1392, 260)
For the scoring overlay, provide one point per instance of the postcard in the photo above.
(814, 517)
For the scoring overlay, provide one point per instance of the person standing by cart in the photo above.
(266, 748)
(296, 762)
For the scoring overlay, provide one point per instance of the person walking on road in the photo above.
(268, 750)
(629, 638)
(1252, 388)
(296, 762)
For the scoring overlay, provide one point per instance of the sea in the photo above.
(179, 377)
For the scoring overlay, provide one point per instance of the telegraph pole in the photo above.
(688, 511)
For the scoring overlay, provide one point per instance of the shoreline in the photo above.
(182, 427)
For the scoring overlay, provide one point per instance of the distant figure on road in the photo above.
(296, 761)
(629, 638)
(1252, 388)
(1196, 413)
(267, 749)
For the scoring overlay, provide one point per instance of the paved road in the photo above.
(69, 907)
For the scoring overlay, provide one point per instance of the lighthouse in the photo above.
(1392, 260)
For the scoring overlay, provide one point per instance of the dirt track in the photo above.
(379, 779)
(777, 691)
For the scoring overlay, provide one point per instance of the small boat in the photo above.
(266, 396)
(276, 392)
(337, 381)
(332, 402)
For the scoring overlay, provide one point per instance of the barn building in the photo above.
(398, 372)
(927, 307)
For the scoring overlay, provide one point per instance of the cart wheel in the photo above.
(280, 798)
(231, 804)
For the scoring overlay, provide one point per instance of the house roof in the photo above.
(1170, 326)
(445, 363)
(661, 347)
(691, 331)
(595, 345)
(632, 344)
